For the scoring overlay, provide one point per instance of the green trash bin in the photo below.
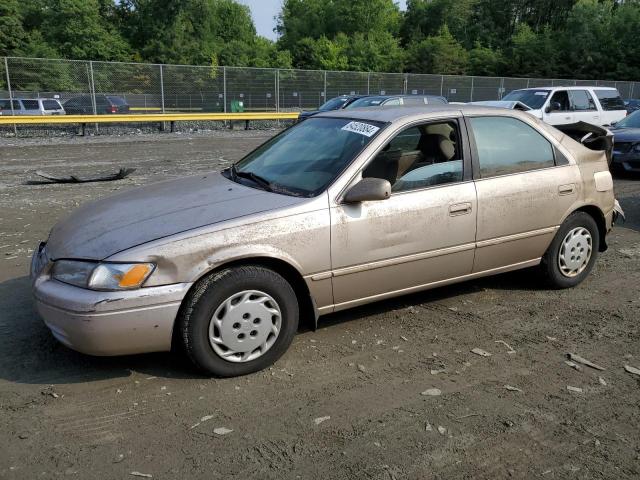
(237, 106)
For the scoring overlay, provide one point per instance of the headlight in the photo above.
(102, 276)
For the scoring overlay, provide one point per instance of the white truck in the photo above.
(600, 106)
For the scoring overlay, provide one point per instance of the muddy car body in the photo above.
(422, 198)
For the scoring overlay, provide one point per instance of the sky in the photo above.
(264, 11)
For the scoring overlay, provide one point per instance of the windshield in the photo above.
(334, 104)
(367, 102)
(533, 99)
(307, 157)
(631, 121)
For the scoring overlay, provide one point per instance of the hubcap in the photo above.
(575, 252)
(245, 326)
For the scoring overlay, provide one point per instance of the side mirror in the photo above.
(368, 189)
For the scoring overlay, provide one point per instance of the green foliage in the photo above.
(538, 38)
(440, 53)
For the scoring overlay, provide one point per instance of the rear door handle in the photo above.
(567, 189)
(459, 209)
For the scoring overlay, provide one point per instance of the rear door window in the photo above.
(610, 99)
(581, 101)
(506, 145)
(30, 104)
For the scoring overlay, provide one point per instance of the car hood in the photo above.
(626, 134)
(102, 228)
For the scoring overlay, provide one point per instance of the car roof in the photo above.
(393, 114)
(568, 87)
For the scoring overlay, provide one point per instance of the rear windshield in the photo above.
(533, 99)
(51, 105)
(116, 100)
(610, 99)
(334, 104)
(30, 104)
(367, 102)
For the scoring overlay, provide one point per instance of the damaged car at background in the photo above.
(343, 209)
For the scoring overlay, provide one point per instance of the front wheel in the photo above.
(573, 251)
(239, 320)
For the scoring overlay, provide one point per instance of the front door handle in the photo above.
(567, 189)
(459, 209)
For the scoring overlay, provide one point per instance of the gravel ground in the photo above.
(346, 401)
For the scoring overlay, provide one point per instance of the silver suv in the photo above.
(31, 106)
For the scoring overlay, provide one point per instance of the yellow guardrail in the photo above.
(147, 117)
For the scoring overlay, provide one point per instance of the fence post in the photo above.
(441, 85)
(324, 99)
(471, 100)
(501, 93)
(161, 88)
(404, 84)
(6, 71)
(92, 86)
(224, 87)
(278, 90)
(368, 83)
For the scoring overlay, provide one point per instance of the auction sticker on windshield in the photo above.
(361, 128)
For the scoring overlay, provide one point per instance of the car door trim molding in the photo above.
(390, 262)
(360, 301)
(517, 236)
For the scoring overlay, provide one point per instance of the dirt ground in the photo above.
(346, 401)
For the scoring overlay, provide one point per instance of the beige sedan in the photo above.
(343, 209)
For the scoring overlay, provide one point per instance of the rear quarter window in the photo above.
(610, 99)
(51, 105)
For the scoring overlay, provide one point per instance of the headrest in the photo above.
(447, 147)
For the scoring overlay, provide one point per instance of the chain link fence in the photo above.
(152, 88)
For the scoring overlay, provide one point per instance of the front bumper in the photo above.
(108, 323)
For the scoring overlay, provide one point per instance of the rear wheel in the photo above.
(573, 252)
(239, 320)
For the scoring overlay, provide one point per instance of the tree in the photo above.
(441, 54)
(485, 61)
(12, 35)
(75, 29)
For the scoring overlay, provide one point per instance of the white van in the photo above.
(564, 105)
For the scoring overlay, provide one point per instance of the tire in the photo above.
(573, 267)
(222, 346)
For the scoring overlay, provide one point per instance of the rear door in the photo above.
(525, 187)
(584, 107)
(613, 108)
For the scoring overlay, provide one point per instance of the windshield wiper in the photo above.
(255, 178)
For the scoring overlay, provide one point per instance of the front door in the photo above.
(558, 110)
(424, 233)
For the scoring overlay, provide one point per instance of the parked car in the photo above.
(337, 103)
(632, 105)
(31, 106)
(566, 105)
(345, 208)
(626, 148)
(397, 100)
(105, 104)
